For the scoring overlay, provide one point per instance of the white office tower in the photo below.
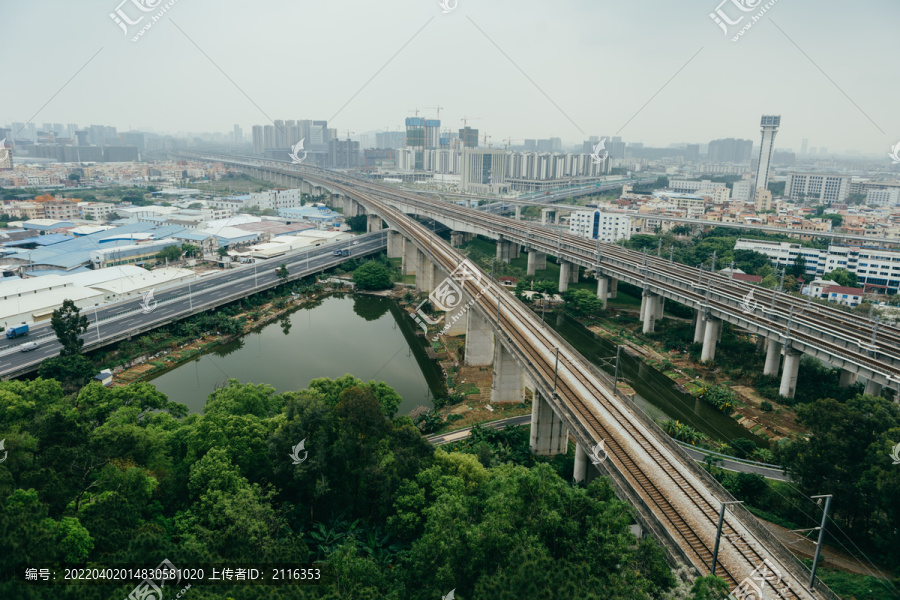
(769, 127)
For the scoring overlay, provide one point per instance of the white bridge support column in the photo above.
(710, 337)
(395, 244)
(479, 341)
(424, 273)
(581, 461)
(410, 256)
(613, 288)
(789, 376)
(574, 273)
(873, 387)
(514, 250)
(504, 250)
(549, 435)
(603, 289)
(848, 378)
(456, 238)
(508, 382)
(565, 274)
(660, 307)
(773, 357)
(373, 223)
(518, 212)
(649, 311)
(537, 261)
(456, 319)
(544, 212)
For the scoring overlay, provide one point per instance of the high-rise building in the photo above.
(258, 144)
(343, 154)
(238, 134)
(469, 137)
(416, 140)
(318, 132)
(804, 145)
(269, 137)
(729, 150)
(822, 188)
(692, 152)
(769, 128)
(482, 171)
(391, 140)
(280, 135)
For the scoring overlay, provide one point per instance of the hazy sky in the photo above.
(206, 65)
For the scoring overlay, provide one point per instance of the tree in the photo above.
(798, 269)
(358, 224)
(841, 277)
(856, 198)
(836, 220)
(372, 276)
(68, 323)
(749, 261)
(72, 372)
(74, 177)
(170, 253)
(283, 274)
(582, 302)
(89, 217)
(222, 251)
(190, 249)
(195, 205)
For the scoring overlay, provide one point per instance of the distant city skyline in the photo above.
(654, 73)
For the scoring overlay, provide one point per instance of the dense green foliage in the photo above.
(122, 475)
(170, 253)
(842, 277)
(372, 276)
(357, 224)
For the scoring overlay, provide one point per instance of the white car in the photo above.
(29, 346)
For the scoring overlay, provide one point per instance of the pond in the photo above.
(366, 336)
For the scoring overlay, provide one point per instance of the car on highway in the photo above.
(29, 346)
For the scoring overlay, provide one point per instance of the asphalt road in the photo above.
(119, 320)
(729, 465)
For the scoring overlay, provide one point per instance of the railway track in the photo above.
(661, 479)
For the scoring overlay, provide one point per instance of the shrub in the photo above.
(766, 406)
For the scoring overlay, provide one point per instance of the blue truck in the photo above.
(17, 331)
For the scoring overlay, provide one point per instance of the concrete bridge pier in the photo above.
(410, 258)
(565, 275)
(424, 273)
(514, 250)
(456, 319)
(503, 250)
(710, 337)
(456, 238)
(873, 387)
(479, 341)
(394, 244)
(760, 344)
(518, 212)
(789, 375)
(537, 261)
(581, 461)
(373, 223)
(508, 382)
(699, 326)
(847, 378)
(603, 289)
(549, 435)
(773, 357)
(556, 217)
(613, 288)
(660, 307)
(575, 273)
(649, 311)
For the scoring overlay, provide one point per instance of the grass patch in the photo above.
(853, 585)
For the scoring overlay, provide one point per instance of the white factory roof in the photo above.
(144, 281)
(324, 235)
(15, 309)
(232, 221)
(89, 229)
(31, 285)
(100, 276)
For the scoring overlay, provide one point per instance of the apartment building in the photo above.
(605, 226)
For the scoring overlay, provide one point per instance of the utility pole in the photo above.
(719, 533)
(555, 371)
(815, 565)
(616, 377)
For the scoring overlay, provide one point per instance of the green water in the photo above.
(366, 336)
(655, 394)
